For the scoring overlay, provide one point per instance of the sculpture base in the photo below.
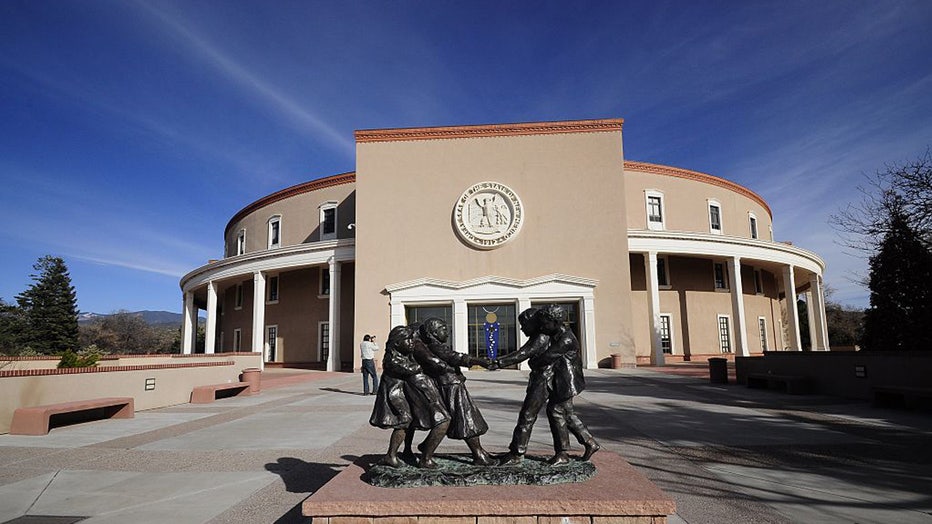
(457, 470)
(617, 494)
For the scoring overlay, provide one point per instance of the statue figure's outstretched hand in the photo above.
(481, 361)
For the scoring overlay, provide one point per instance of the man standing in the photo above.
(367, 351)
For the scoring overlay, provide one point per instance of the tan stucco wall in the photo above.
(694, 306)
(686, 205)
(172, 386)
(571, 187)
(297, 314)
(300, 219)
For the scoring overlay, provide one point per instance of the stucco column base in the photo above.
(617, 494)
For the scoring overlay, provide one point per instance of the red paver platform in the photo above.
(618, 494)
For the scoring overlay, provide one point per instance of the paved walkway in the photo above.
(725, 453)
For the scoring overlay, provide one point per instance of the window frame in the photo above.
(241, 242)
(753, 226)
(762, 331)
(275, 220)
(669, 318)
(321, 292)
(327, 206)
(322, 341)
(237, 340)
(267, 346)
(726, 284)
(721, 217)
(270, 297)
(655, 225)
(758, 282)
(665, 260)
(238, 296)
(723, 335)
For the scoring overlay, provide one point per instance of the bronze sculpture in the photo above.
(424, 389)
(556, 377)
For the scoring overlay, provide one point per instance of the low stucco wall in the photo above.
(174, 381)
(837, 373)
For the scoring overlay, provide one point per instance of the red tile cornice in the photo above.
(306, 187)
(491, 130)
(658, 169)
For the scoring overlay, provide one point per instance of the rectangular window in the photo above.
(421, 313)
(762, 328)
(238, 297)
(275, 225)
(654, 205)
(758, 282)
(666, 335)
(323, 341)
(328, 222)
(721, 275)
(324, 282)
(572, 315)
(662, 279)
(237, 339)
(502, 333)
(753, 221)
(724, 334)
(273, 290)
(715, 218)
(271, 343)
(241, 242)
(654, 212)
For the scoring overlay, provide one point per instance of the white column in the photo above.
(333, 360)
(588, 332)
(397, 313)
(818, 331)
(258, 315)
(210, 336)
(460, 326)
(189, 324)
(792, 316)
(524, 302)
(737, 306)
(653, 307)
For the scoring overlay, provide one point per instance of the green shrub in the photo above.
(83, 359)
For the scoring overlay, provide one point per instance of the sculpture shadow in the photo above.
(304, 477)
(337, 390)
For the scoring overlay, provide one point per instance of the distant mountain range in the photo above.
(153, 318)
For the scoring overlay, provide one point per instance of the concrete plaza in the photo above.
(725, 453)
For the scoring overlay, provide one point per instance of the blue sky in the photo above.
(131, 131)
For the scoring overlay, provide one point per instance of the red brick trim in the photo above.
(699, 177)
(490, 130)
(108, 369)
(288, 192)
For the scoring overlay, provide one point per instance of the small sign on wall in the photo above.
(150, 384)
(860, 371)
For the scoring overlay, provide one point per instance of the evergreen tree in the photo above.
(11, 328)
(50, 308)
(900, 313)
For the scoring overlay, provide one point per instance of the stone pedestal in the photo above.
(617, 494)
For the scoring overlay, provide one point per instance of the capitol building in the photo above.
(474, 224)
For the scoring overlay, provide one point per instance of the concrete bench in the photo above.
(905, 396)
(793, 384)
(38, 420)
(208, 394)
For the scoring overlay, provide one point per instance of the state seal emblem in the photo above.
(488, 214)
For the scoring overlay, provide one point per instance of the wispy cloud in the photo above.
(263, 91)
